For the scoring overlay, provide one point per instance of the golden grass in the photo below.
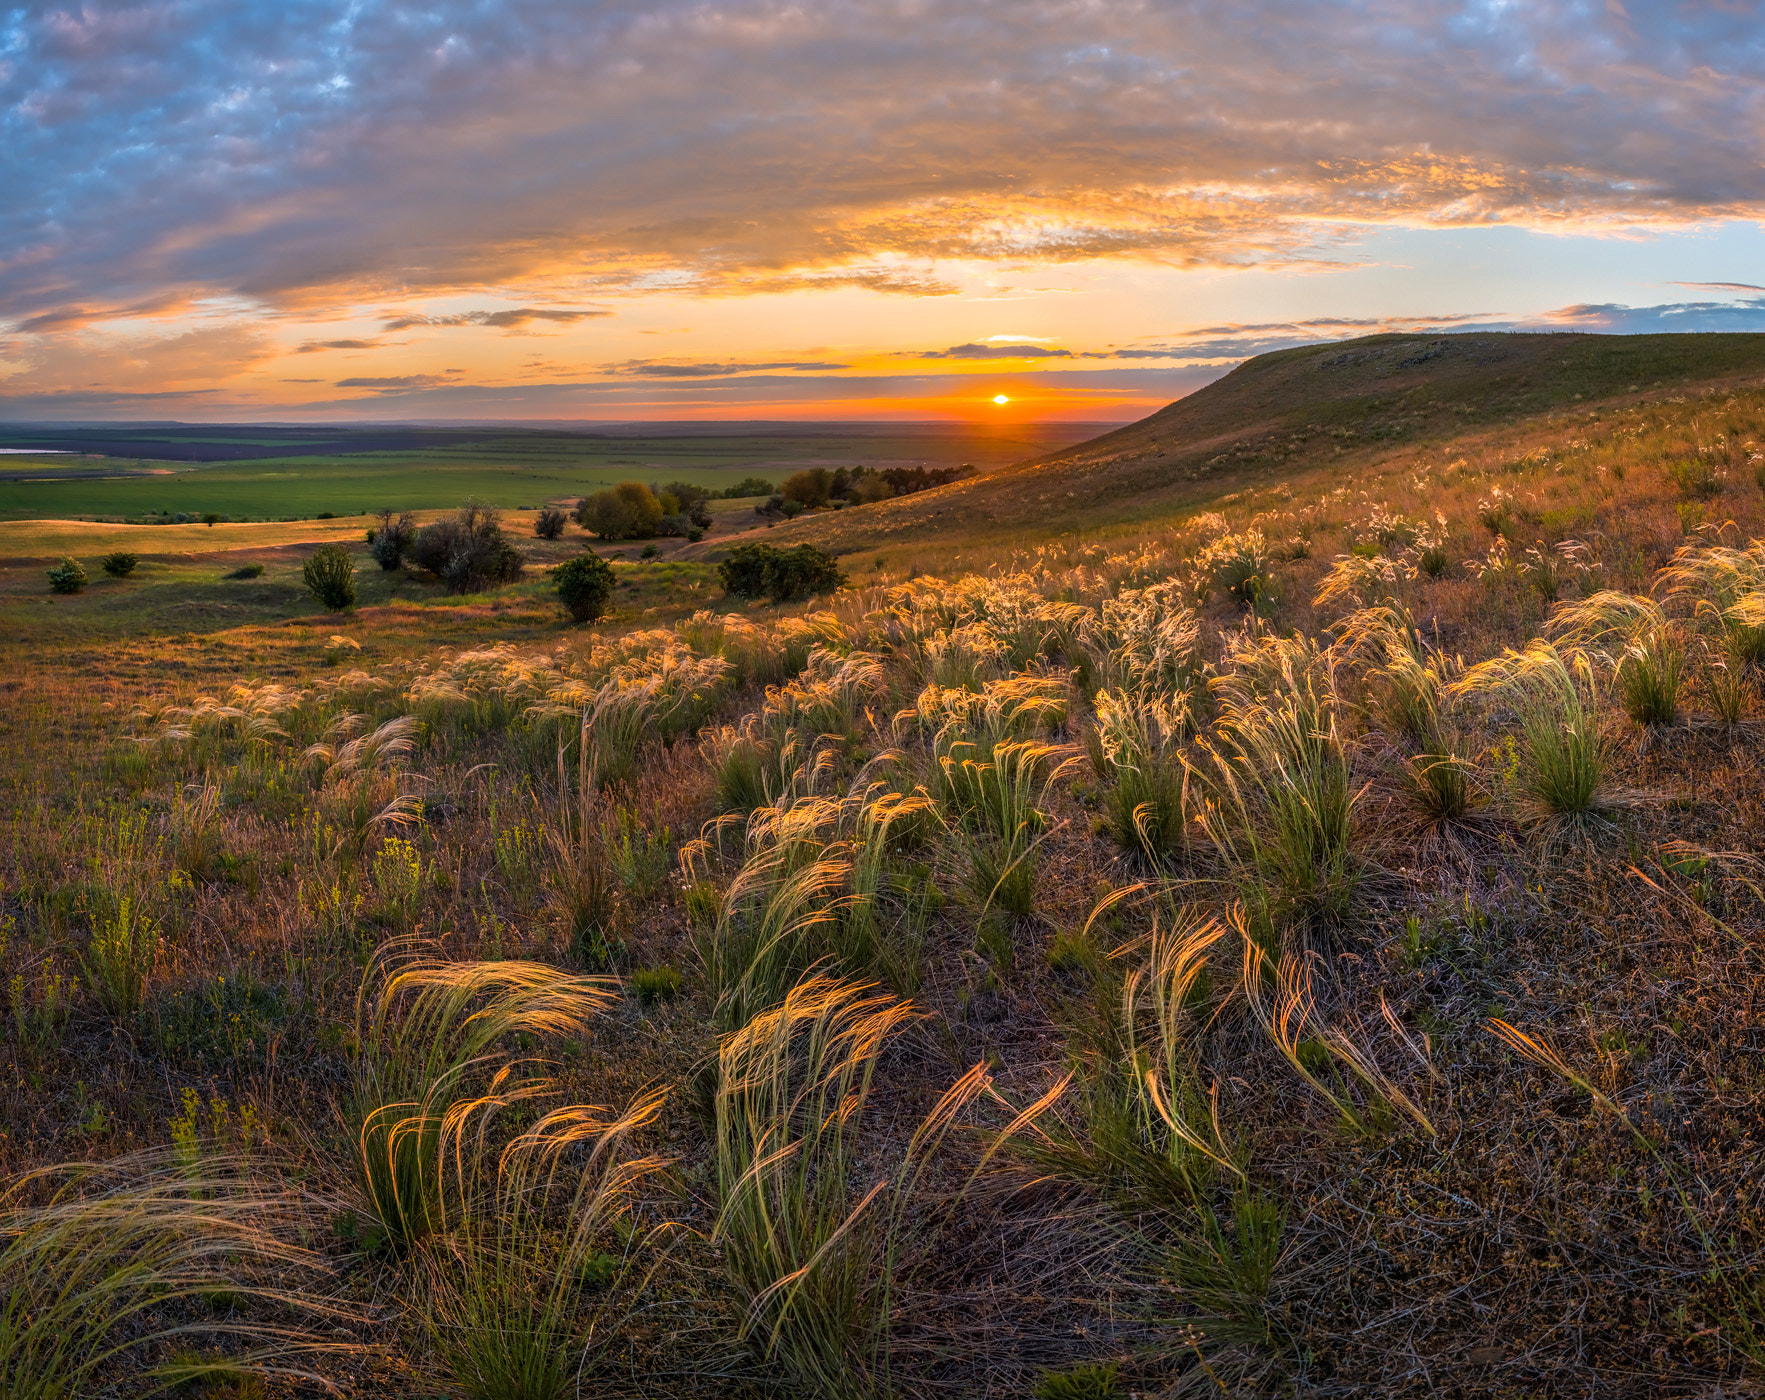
(1266, 1146)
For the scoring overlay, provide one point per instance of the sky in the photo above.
(563, 209)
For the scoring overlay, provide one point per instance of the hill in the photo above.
(1349, 404)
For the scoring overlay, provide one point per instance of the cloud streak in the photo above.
(652, 369)
(512, 319)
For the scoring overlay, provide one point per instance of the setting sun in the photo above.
(1001, 398)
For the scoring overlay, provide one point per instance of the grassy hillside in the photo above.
(1304, 944)
(1346, 407)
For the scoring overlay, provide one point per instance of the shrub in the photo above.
(120, 564)
(629, 511)
(810, 487)
(549, 523)
(67, 576)
(585, 586)
(210, 519)
(765, 571)
(747, 486)
(690, 503)
(390, 541)
(649, 551)
(469, 550)
(246, 571)
(330, 577)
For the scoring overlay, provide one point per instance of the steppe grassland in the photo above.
(1310, 945)
(518, 472)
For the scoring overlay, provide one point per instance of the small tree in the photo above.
(585, 586)
(549, 523)
(805, 572)
(692, 502)
(67, 576)
(330, 577)
(211, 518)
(391, 540)
(630, 511)
(469, 550)
(784, 575)
(120, 564)
(809, 488)
(748, 486)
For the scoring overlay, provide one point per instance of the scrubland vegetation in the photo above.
(1306, 946)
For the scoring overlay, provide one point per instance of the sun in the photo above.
(1001, 398)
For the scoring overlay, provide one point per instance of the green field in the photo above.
(510, 469)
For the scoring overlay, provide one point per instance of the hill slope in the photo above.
(1351, 403)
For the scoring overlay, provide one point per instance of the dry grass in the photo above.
(1221, 887)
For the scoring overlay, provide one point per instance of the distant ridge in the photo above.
(1292, 409)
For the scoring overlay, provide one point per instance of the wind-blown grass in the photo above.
(815, 1252)
(1555, 698)
(433, 1049)
(1277, 791)
(524, 1288)
(98, 1265)
(1644, 647)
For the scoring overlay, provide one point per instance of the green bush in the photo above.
(783, 575)
(120, 564)
(246, 571)
(67, 576)
(391, 540)
(689, 501)
(811, 486)
(630, 511)
(747, 486)
(468, 551)
(549, 523)
(330, 577)
(585, 586)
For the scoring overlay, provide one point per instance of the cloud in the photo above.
(396, 381)
(988, 351)
(108, 362)
(323, 153)
(1614, 318)
(749, 396)
(504, 320)
(314, 346)
(1720, 286)
(657, 369)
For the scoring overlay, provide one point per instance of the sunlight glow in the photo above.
(1001, 398)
